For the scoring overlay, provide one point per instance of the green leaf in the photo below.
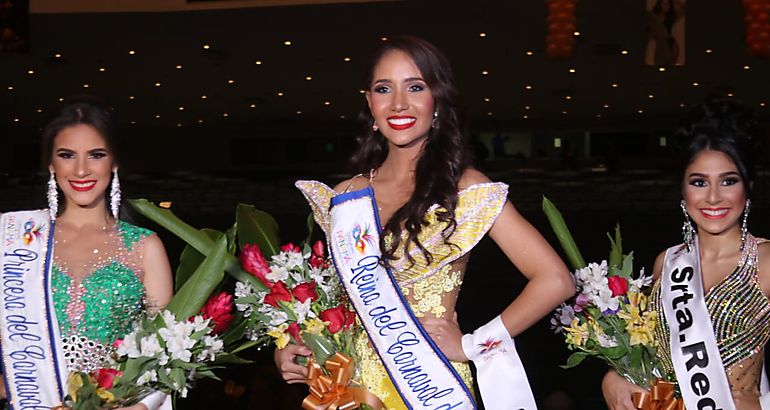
(196, 291)
(310, 225)
(257, 227)
(614, 353)
(194, 237)
(236, 332)
(321, 347)
(616, 248)
(628, 266)
(574, 359)
(231, 243)
(230, 358)
(247, 345)
(559, 227)
(190, 259)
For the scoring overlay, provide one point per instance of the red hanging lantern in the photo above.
(562, 23)
(757, 22)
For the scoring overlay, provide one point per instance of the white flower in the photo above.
(606, 341)
(214, 345)
(243, 289)
(199, 323)
(150, 346)
(277, 273)
(603, 299)
(277, 317)
(295, 260)
(635, 285)
(146, 377)
(591, 275)
(302, 309)
(163, 359)
(178, 340)
(129, 347)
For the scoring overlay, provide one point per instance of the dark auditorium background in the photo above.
(229, 101)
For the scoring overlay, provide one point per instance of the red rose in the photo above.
(290, 247)
(338, 317)
(618, 285)
(294, 330)
(116, 344)
(305, 291)
(350, 318)
(278, 293)
(220, 310)
(105, 378)
(317, 258)
(255, 263)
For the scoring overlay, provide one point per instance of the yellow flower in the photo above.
(105, 395)
(577, 334)
(74, 382)
(315, 326)
(281, 337)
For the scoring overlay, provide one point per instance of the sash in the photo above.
(422, 375)
(694, 350)
(33, 371)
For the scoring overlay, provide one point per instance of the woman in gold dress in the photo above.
(434, 209)
(720, 143)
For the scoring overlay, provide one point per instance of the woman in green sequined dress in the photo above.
(719, 144)
(105, 271)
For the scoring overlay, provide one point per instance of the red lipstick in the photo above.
(401, 122)
(83, 186)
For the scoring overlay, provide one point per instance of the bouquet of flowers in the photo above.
(166, 351)
(609, 317)
(296, 296)
(303, 301)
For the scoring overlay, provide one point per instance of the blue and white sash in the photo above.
(32, 365)
(694, 350)
(420, 372)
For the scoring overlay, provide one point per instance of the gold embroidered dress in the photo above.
(430, 288)
(740, 315)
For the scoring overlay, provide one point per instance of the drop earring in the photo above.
(115, 195)
(435, 117)
(688, 231)
(375, 127)
(53, 196)
(745, 224)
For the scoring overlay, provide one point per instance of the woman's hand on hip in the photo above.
(447, 335)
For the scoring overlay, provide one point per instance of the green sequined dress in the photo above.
(98, 297)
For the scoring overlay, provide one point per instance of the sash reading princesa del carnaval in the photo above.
(694, 350)
(420, 372)
(30, 344)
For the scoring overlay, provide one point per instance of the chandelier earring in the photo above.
(115, 195)
(53, 196)
(745, 224)
(688, 231)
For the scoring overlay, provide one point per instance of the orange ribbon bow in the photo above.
(333, 391)
(660, 397)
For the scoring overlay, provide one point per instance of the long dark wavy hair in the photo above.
(444, 156)
(724, 125)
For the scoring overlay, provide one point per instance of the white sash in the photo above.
(420, 372)
(694, 350)
(32, 368)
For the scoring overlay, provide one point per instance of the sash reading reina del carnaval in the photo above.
(420, 372)
(694, 352)
(32, 365)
